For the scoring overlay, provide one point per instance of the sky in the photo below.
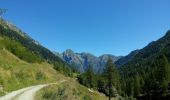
(96, 26)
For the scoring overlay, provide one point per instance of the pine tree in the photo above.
(90, 77)
(136, 85)
(163, 71)
(112, 77)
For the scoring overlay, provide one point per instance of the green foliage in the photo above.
(88, 78)
(58, 94)
(17, 49)
(107, 82)
(64, 69)
(147, 75)
(86, 98)
(69, 90)
(148, 81)
(16, 74)
(40, 76)
(111, 77)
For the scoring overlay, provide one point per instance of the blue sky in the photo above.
(96, 26)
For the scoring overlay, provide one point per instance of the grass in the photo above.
(69, 90)
(16, 74)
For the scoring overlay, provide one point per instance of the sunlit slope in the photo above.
(24, 47)
(15, 73)
(69, 90)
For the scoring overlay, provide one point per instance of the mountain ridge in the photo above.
(149, 70)
(81, 61)
(26, 48)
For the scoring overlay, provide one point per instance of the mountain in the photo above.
(25, 62)
(104, 58)
(126, 59)
(81, 61)
(21, 45)
(153, 49)
(9, 30)
(147, 75)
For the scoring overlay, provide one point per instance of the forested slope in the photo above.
(147, 75)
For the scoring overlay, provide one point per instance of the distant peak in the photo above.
(68, 52)
(106, 55)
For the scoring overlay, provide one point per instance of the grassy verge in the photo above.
(69, 90)
(16, 74)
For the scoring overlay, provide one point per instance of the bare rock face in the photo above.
(81, 61)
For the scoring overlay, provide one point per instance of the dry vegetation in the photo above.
(15, 73)
(69, 90)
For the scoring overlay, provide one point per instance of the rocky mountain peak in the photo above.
(81, 61)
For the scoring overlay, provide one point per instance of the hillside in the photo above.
(126, 59)
(146, 75)
(16, 73)
(24, 62)
(19, 65)
(67, 91)
(27, 49)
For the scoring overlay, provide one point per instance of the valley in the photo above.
(84, 50)
(22, 65)
(20, 68)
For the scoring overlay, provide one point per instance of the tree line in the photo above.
(107, 82)
(149, 80)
